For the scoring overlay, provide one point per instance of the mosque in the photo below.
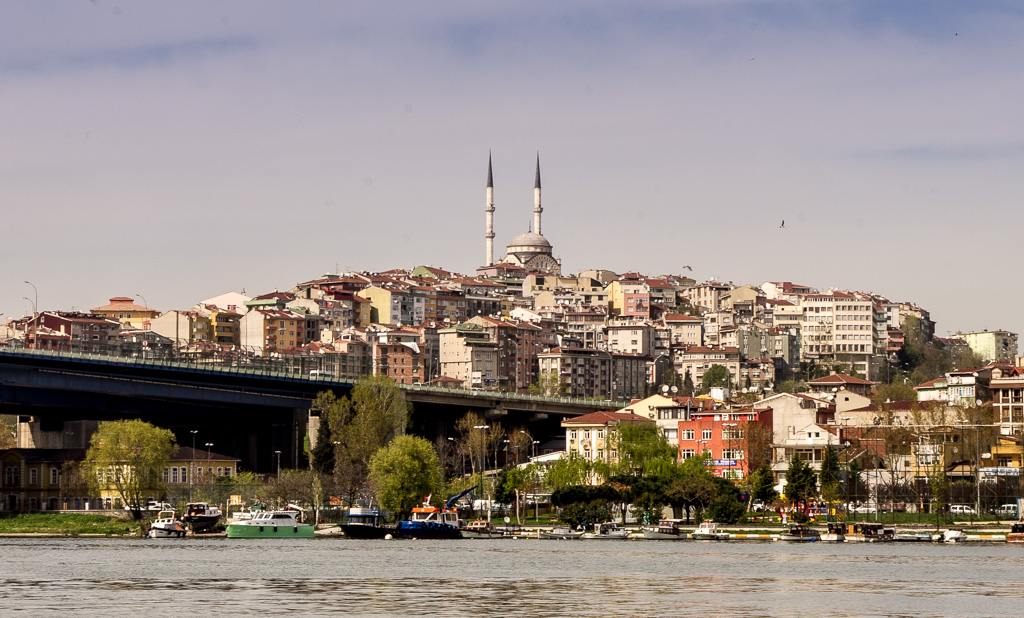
(529, 250)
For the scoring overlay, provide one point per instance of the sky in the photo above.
(175, 151)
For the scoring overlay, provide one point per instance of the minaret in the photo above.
(536, 199)
(489, 234)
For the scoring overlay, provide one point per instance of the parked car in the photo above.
(863, 508)
(962, 509)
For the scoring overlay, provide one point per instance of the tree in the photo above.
(897, 390)
(693, 486)
(642, 449)
(404, 472)
(762, 485)
(549, 384)
(568, 471)
(830, 475)
(323, 453)
(716, 375)
(7, 431)
(790, 386)
(727, 507)
(687, 385)
(800, 480)
(129, 457)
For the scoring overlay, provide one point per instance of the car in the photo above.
(1007, 510)
(962, 509)
(863, 508)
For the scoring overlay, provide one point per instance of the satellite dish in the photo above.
(675, 389)
(664, 388)
(507, 520)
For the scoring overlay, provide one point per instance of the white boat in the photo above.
(560, 533)
(665, 530)
(915, 537)
(166, 526)
(709, 531)
(607, 531)
(954, 536)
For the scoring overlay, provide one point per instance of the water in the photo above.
(134, 577)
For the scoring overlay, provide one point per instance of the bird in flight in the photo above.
(783, 223)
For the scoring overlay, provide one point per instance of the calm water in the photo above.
(218, 577)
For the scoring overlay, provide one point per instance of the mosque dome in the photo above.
(529, 239)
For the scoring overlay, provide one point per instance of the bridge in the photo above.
(256, 412)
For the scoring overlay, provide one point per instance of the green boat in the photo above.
(271, 524)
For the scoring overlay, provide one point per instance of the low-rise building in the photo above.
(593, 436)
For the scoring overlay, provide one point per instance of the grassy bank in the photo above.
(70, 524)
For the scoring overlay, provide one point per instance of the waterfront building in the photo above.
(592, 436)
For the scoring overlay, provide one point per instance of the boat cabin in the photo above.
(275, 518)
(436, 515)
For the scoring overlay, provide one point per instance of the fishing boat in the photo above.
(201, 517)
(166, 526)
(563, 533)
(869, 532)
(709, 531)
(481, 529)
(1016, 534)
(665, 530)
(271, 524)
(607, 531)
(799, 533)
(364, 521)
(834, 533)
(430, 522)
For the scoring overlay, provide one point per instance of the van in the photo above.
(961, 509)
(1007, 510)
(316, 373)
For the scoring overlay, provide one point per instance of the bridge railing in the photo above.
(286, 369)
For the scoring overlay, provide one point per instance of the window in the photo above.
(572, 435)
(586, 434)
(165, 474)
(600, 453)
(54, 476)
(33, 476)
(174, 475)
(220, 471)
(687, 453)
(705, 434)
(600, 434)
(184, 474)
(686, 434)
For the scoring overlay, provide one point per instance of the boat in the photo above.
(914, 537)
(271, 524)
(868, 532)
(799, 533)
(1016, 534)
(709, 531)
(835, 533)
(665, 530)
(481, 529)
(430, 522)
(954, 535)
(607, 531)
(363, 521)
(563, 533)
(166, 526)
(200, 516)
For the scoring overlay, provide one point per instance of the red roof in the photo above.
(603, 418)
(837, 378)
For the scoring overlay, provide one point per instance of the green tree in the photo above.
(830, 475)
(790, 386)
(7, 431)
(688, 387)
(129, 457)
(549, 384)
(800, 480)
(762, 486)
(404, 471)
(692, 486)
(727, 507)
(323, 453)
(642, 449)
(716, 375)
(568, 471)
(897, 390)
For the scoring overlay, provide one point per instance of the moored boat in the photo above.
(481, 529)
(1016, 534)
(834, 533)
(954, 535)
(665, 530)
(869, 532)
(271, 524)
(709, 531)
(563, 533)
(166, 526)
(430, 522)
(200, 516)
(910, 536)
(799, 533)
(606, 532)
(363, 521)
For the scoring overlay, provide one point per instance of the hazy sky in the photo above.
(179, 150)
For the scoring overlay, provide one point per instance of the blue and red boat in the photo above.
(430, 522)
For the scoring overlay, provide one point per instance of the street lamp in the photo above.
(192, 471)
(208, 445)
(278, 455)
(145, 305)
(35, 303)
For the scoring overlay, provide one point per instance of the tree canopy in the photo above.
(404, 472)
(642, 449)
(800, 480)
(129, 457)
(716, 375)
